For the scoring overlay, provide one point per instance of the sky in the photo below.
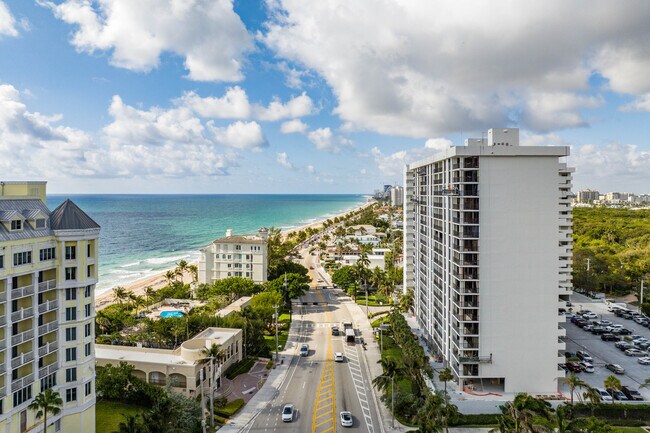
(294, 96)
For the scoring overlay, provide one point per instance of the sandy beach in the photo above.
(158, 280)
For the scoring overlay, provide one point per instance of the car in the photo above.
(583, 312)
(627, 316)
(610, 337)
(586, 367)
(624, 345)
(581, 322)
(569, 354)
(335, 330)
(346, 419)
(605, 323)
(562, 366)
(634, 352)
(631, 393)
(584, 356)
(618, 395)
(644, 361)
(287, 413)
(338, 357)
(639, 340)
(622, 331)
(569, 304)
(597, 330)
(304, 349)
(587, 327)
(640, 319)
(573, 366)
(311, 267)
(615, 368)
(590, 316)
(604, 395)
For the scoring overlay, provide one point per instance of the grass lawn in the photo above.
(241, 367)
(282, 341)
(108, 415)
(628, 430)
(372, 301)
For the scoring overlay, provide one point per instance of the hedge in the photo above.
(231, 408)
(240, 367)
(638, 412)
(476, 419)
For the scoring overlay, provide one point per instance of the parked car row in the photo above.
(626, 393)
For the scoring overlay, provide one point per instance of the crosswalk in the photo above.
(352, 355)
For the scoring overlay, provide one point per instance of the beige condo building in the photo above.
(48, 273)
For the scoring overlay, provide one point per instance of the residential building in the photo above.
(48, 273)
(588, 196)
(488, 253)
(235, 256)
(396, 196)
(377, 258)
(182, 366)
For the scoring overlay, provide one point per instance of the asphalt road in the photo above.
(318, 387)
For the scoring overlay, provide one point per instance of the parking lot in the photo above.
(604, 352)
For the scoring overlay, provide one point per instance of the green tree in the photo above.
(574, 382)
(445, 376)
(46, 402)
(263, 303)
(149, 294)
(612, 382)
(120, 294)
(344, 277)
(132, 424)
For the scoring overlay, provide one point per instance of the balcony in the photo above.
(475, 359)
(21, 383)
(22, 337)
(3, 368)
(48, 327)
(21, 292)
(3, 319)
(3, 391)
(47, 370)
(25, 313)
(46, 285)
(48, 348)
(48, 306)
(22, 359)
(3, 297)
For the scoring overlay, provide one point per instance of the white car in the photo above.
(287, 413)
(346, 419)
(634, 352)
(604, 395)
(590, 316)
(338, 357)
(587, 367)
(644, 361)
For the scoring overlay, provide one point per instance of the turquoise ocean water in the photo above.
(142, 235)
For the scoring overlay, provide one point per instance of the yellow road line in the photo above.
(325, 394)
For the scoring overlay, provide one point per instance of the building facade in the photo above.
(488, 253)
(588, 196)
(243, 256)
(397, 196)
(48, 273)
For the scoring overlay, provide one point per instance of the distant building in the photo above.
(243, 256)
(397, 196)
(377, 258)
(181, 368)
(48, 273)
(588, 196)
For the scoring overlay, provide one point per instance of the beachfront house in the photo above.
(181, 368)
(243, 256)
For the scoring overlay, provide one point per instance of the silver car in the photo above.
(346, 419)
(287, 413)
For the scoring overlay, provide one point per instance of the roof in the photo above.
(240, 239)
(22, 207)
(68, 216)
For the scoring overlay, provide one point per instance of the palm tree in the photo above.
(391, 369)
(445, 376)
(169, 276)
(406, 301)
(131, 424)
(210, 354)
(120, 293)
(593, 396)
(646, 384)
(194, 270)
(47, 401)
(519, 415)
(430, 417)
(149, 293)
(612, 382)
(574, 382)
(103, 322)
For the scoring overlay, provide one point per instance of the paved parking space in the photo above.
(604, 352)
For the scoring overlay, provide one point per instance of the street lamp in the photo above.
(275, 307)
(392, 396)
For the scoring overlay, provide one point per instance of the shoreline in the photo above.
(158, 280)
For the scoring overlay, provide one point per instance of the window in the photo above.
(71, 394)
(70, 274)
(89, 250)
(22, 258)
(16, 225)
(89, 271)
(87, 330)
(47, 254)
(2, 261)
(88, 349)
(89, 388)
(87, 310)
(23, 395)
(71, 374)
(237, 247)
(39, 223)
(48, 382)
(70, 334)
(70, 354)
(70, 252)
(71, 313)
(57, 425)
(71, 294)
(87, 292)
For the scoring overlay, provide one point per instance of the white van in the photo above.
(617, 306)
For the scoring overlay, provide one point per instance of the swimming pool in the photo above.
(167, 314)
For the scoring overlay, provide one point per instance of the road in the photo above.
(318, 387)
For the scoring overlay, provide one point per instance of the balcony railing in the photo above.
(22, 359)
(48, 327)
(22, 337)
(3, 368)
(3, 297)
(21, 292)
(22, 314)
(48, 348)
(21, 383)
(46, 285)
(47, 370)
(48, 306)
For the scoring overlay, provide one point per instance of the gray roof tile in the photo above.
(68, 216)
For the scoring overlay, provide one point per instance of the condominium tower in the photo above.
(488, 253)
(48, 272)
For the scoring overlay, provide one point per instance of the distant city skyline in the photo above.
(239, 96)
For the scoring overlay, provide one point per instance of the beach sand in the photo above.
(158, 281)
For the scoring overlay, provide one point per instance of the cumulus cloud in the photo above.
(7, 21)
(283, 159)
(616, 162)
(208, 34)
(393, 164)
(325, 139)
(294, 126)
(241, 135)
(310, 169)
(438, 143)
(438, 67)
(641, 103)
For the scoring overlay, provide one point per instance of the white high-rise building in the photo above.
(397, 196)
(243, 256)
(488, 253)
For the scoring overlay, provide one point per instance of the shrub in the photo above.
(241, 367)
(231, 408)
(477, 419)
(638, 412)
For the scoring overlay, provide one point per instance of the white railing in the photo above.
(21, 292)
(3, 297)
(48, 348)
(22, 314)
(48, 327)
(22, 359)
(46, 371)
(47, 285)
(21, 383)
(48, 306)
(22, 337)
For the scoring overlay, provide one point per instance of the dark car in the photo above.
(617, 395)
(574, 367)
(569, 354)
(622, 331)
(597, 330)
(631, 393)
(623, 346)
(335, 330)
(610, 337)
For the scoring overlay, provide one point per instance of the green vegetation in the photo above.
(241, 367)
(616, 242)
(230, 408)
(109, 414)
(377, 300)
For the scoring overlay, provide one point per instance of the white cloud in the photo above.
(617, 166)
(233, 105)
(241, 135)
(363, 171)
(310, 169)
(446, 66)
(7, 21)
(322, 139)
(283, 159)
(296, 107)
(294, 126)
(641, 103)
(208, 34)
(438, 143)
(393, 164)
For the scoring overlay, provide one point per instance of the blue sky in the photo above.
(287, 96)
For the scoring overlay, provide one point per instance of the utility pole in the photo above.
(203, 423)
(275, 307)
(212, 391)
(286, 293)
(641, 298)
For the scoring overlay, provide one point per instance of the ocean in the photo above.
(142, 235)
